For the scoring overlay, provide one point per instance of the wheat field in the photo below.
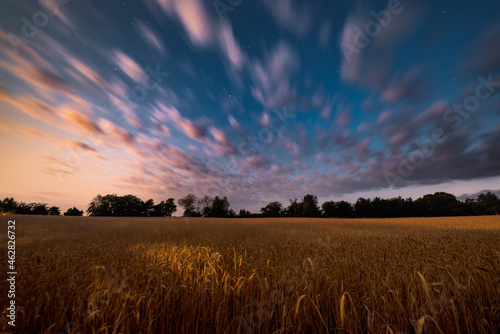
(281, 275)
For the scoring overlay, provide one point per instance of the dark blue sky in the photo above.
(258, 101)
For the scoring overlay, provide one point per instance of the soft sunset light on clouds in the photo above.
(159, 98)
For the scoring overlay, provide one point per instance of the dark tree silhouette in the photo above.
(8, 205)
(129, 206)
(220, 207)
(273, 209)
(244, 214)
(103, 205)
(24, 209)
(204, 205)
(437, 205)
(487, 204)
(310, 206)
(148, 208)
(39, 209)
(340, 209)
(363, 207)
(345, 209)
(73, 212)
(189, 204)
(54, 211)
(294, 209)
(165, 208)
(120, 206)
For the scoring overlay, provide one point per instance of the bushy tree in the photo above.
(395, 207)
(273, 209)
(487, 204)
(294, 209)
(189, 204)
(310, 206)
(148, 208)
(54, 211)
(363, 207)
(165, 208)
(204, 205)
(220, 207)
(345, 209)
(340, 209)
(8, 205)
(73, 212)
(437, 205)
(244, 214)
(329, 209)
(103, 205)
(130, 206)
(39, 209)
(24, 209)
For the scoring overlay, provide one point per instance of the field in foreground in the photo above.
(200, 275)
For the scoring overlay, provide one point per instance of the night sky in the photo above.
(254, 100)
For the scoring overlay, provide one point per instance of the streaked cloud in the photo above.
(271, 75)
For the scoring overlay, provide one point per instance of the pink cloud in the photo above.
(234, 123)
(326, 111)
(384, 117)
(351, 55)
(118, 87)
(343, 118)
(224, 146)
(80, 120)
(265, 120)
(231, 47)
(88, 73)
(129, 66)
(271, 79)
(297, 20)
(124, 106)
(80, 145)
(33, 135)
(292, 147)
(191, 130)
(31, 107)
(363, 127)
(193, 16)
(161, 129)
(218, 135)
(398, 138)
(392, 94)
(151, 37)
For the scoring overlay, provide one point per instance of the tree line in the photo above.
(129, 206)
(430, 205)
(9, 205)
